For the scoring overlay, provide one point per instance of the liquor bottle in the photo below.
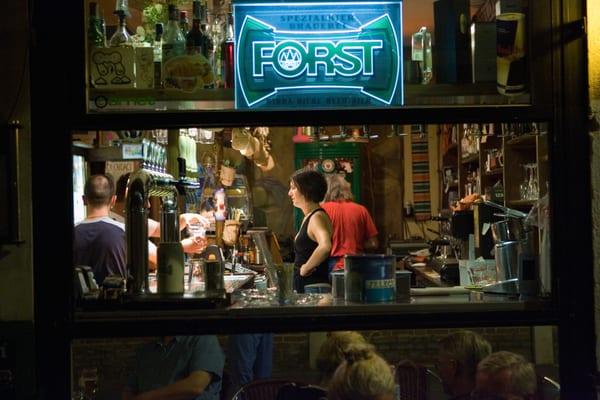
(121, 37)
(194, 40)
(227, 53)
(173, 41)
(184, 23)
(207, 48)
(96, 36)
(158, 28)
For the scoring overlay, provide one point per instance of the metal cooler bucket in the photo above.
(370, 278)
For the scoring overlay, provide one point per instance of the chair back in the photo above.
(412, 381)
(262, 389)
(293, 391)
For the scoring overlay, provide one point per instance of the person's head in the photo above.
(338, 188)
(458, 356)
(505, 376)
(99, 191)
(307, 185)
(331, 352)
(363, 375)
(207, 207)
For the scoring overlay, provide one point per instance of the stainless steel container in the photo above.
(337, 284)
(507, 260)
(511, 229)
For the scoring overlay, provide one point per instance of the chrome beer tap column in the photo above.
(136, 232)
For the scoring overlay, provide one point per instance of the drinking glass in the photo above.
(532, 181)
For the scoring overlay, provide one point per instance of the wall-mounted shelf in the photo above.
(470, 159)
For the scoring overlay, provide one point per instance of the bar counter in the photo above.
(214, 316)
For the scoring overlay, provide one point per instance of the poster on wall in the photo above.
(334, 54)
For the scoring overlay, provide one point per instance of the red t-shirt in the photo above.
(352, 227)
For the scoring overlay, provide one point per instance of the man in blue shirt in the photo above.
(99, 241)
(177, 367)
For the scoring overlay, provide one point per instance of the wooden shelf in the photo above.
(521, 203)
(525, 141)
(470, 159)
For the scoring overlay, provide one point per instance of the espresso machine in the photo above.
(514, 253)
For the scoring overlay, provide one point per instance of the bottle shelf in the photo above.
(521, 203)
(459, 94)
(524, 141)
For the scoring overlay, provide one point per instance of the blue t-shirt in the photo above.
(158, 365)
(100, 244)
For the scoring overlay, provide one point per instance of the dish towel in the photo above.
(420, 175)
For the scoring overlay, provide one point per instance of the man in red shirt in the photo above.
(353, 228)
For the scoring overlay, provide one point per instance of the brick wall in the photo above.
(291, 352)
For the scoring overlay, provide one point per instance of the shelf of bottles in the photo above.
(176, 55)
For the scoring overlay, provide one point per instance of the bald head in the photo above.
(99, 190)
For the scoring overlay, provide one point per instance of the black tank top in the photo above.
(303, 248)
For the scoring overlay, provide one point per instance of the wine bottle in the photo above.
(227, 54)
(173, 41)
(207, 48)
(158, 29)
(184, 23)
(121, 37)
(194, 40)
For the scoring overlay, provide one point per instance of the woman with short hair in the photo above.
(312, 243)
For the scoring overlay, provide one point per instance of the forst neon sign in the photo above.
(356, 61)
(291, 58)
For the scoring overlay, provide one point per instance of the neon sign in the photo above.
(294, 55)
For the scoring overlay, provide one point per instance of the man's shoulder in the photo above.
(105, 223)
(198, 340)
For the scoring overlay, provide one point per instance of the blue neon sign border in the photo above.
(356, 30)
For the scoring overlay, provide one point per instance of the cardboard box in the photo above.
(483, 51)
(452, 50)
(112, 67)
(144, 67)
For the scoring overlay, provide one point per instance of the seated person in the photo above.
(458, 356)
(331, 353)
(505, 375)
(363, 375)
(177, 367)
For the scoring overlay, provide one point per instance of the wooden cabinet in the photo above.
(505, 161)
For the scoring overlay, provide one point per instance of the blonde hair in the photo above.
(523, 379)
(331, 352)
(467, 348)
(338, 188)
(364, 375)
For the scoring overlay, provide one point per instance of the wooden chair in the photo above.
(412, 380)
(262, 389)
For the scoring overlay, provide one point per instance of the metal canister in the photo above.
(370, 278)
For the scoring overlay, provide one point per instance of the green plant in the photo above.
(156, 11)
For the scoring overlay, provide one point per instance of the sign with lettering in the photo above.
(318, 54)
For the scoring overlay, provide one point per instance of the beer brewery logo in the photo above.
(364, 61)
